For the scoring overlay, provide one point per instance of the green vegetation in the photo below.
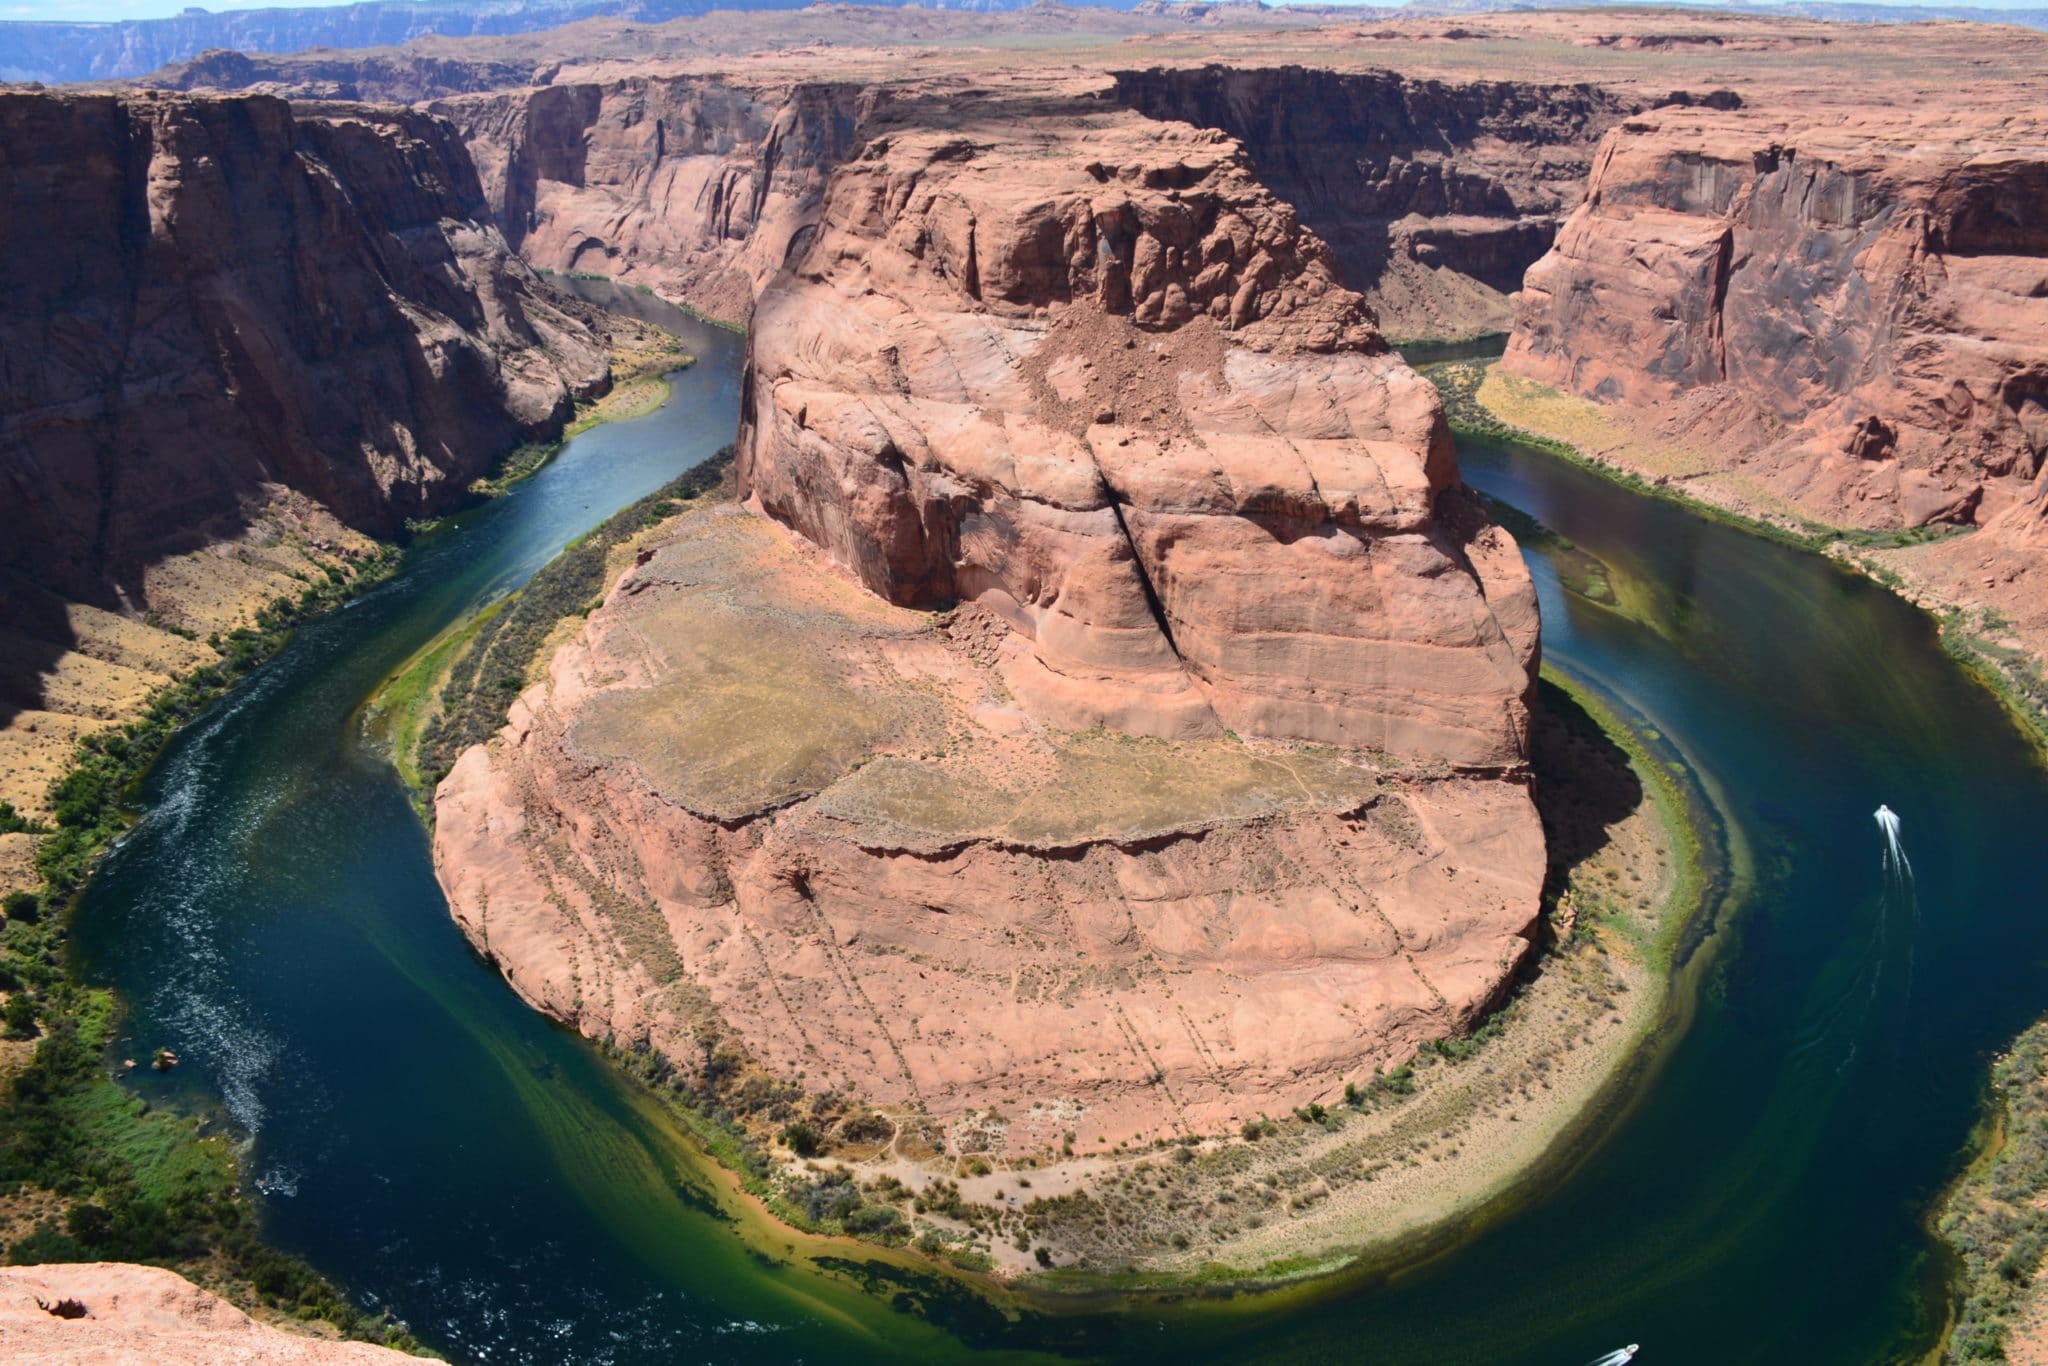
(135, 1184)
(498, 647)
(635, 398)
(2013, 676)
(1995, 1217)
(13, 822)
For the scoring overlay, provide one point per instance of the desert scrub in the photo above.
(2013, 675)
(1994, 1216)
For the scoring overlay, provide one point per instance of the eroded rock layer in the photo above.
(1434, 196)
(109, 1314)
(1858, 298)
(689, 185)
(1083, 370)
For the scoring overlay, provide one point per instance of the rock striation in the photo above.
(215, 299)
(1858, 297)
(691, 186)
(106, 1313)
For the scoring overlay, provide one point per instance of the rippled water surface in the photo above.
(436, 1147)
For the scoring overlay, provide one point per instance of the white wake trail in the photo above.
(1895, 861)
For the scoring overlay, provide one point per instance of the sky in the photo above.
(100, 10)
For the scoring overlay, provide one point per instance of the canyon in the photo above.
(244, 343)
(1098, 715)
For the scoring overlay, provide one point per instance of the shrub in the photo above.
(26, 907)
(20, 1016)
(802, 1139)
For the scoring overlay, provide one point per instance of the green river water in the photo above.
(436, 1147)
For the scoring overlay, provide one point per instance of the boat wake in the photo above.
(1896, 865)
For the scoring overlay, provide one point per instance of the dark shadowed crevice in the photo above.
(1152, 599)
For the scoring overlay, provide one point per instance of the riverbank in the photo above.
(1996, 1217)
(1981, 587)
(139, 1184)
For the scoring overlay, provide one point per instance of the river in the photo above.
(437, 1148)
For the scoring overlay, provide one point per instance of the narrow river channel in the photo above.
(437, 1148)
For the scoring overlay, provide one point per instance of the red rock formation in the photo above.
(1082, 369)
(1861, 298)
(692, 186)
(110, 1314)
(214, 296)
(750, 806)
(1435, 196)
(1075, 369)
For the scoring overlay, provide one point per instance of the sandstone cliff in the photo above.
(216, 296)
(1089, 373)
(692, 186)
(109, 1314)
(1856, 297)
(1434, 196)
(1074, 375)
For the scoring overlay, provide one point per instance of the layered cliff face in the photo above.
(692, 186)
(1860, 301)
(1093, 376)
(1434, 196)
(217, 298)
(1073, 376)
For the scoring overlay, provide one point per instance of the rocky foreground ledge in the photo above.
(110, 1314)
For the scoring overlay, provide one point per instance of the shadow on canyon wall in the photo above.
(1584, 783)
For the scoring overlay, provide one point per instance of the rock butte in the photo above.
(110, 1314)
(1078, 373)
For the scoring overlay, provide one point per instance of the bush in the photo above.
(19, 1016)
(25, 907)
(12, 822)
(802, 1139)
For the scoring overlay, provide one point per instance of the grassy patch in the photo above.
(492, 665)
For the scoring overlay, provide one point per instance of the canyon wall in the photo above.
(212, 300)
(1856, 304)
(1434, 196)
(691, 186)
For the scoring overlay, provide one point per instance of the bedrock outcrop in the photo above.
(691, 186)
(763, 823)
(214, 299)
(1105, 716)
(1855, 301)
(1435, 196)
(1085, 371)
(110, 1314)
